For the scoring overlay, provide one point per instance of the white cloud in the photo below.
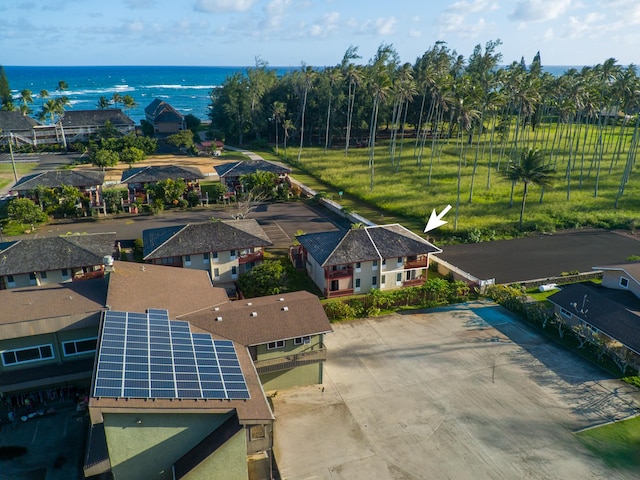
(540, 10)
(474, 7)
(223, 6)
(415, 33)
(135, 27)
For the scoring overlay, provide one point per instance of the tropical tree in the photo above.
(131, 155)
(103, 103)
(24, 211)
(308, 74)
(287, 126)
(277, 114)
(128, 102)
(353, 76)
(116, 99)
(268, 278)
(169, 191)
(6, 99)
(26, 97)
(532, 169)
(104, 158)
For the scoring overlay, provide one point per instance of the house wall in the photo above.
(365, 274)
(294, 377)
(148, 449)
(315, 272)
(229, 462)
(263, 353)
(612, 279)
(206, 261)
(25, 280)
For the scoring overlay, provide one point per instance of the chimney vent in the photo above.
(285, 309)
(254, 314)
(218, 319)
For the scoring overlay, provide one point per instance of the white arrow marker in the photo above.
(436, 221)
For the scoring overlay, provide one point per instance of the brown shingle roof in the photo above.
(134, 287)
(279, 317)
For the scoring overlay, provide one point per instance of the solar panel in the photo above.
(146, 355)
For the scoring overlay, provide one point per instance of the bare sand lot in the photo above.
(465, 392)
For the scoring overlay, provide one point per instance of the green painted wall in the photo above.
(263, 353)
(294, 377)
(148, 449)
(229, 462)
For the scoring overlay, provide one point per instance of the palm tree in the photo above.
(128, 102)
(116, 99)
(287, 126)
(27, 97)
(277, 113)
(532, 169)
(333, 76)
(308, 75)
(103, 103)
(43, 95)
(352, 74)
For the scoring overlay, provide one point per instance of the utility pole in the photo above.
(13, 161)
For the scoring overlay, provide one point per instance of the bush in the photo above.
(338, 310)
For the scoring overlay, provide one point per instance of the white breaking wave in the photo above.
(181, 87)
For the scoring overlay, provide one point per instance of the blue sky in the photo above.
(316, 32)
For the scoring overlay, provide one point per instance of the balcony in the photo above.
(340, 273)
(251, 257)
(414, 282)
(286, 362)
(338, 293)
(416, 263)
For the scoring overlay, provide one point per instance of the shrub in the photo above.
(338, 310)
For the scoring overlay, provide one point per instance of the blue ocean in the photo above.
(187, 89)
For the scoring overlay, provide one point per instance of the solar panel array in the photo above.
(146, 355)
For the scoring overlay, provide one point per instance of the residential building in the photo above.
(165, 119)
(53, 260)
(141, 180)
(623, 276)
(89, 182)
(361, 259)
(224, 248)
(231, 172)
(81, 125)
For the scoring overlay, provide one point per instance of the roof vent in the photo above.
(107, 260)
(249, 304)
(285, 309)
(216, 309)
(218, 319)
(281, 299)
(254, 314)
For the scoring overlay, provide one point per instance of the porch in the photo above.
(318, 354)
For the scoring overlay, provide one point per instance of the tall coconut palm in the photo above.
(103, 103)
(27, 97)
(351, 73)
(307, 80)
(532, 169)
(44, 94)
(128, 102)
(287, 126)
(277, 114)
(334, 75)
(116, 99)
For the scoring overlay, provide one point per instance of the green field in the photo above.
(410, 192)
(618, 444)
(6, 172)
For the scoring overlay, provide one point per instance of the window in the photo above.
(187, 260)
(65, 272)
(32, 279)
(624, 282)
(26, 355)
(214, 255)
(374, 281)
(398, 279)
(205, 258)
(43, 275)
(384, 262)
(233, 254)
(257, 432)
(301, 340)
(76, 347)
(357, 284)
(11, 282)
(335, 285)
(383, 279)
(358, 267)
(375, 265)
(275, 345)
(234, 270)
(565, 312)
(400, 262)
(216, 274)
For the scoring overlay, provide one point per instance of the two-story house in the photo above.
(165, 119)
(89, 182)
(52, 260)
(230, 173)
(361, 259)
(224, 248)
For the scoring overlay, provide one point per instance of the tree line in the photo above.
(583, 122)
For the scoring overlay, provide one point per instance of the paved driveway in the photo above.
(465, 392)
(542, 256)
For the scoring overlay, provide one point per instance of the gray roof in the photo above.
(194, 238)
(588, 302)
(85, 118)
(364, 244)
(16, 121)
(161, 111)
(152, 174)
(631, 268)
(237, 169)
(58, 178)
(55, 253)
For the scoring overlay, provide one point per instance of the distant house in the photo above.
(165, 119)
(18, 126)
(210, 147)
(80, 125)
(141, 179)
(359, 260)
(612, 314)
(231, 172)
(89, 182)
(52, 260)
(225, 249)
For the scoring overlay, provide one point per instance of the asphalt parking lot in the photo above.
(55, 446)
(463, 392)
(540, 256)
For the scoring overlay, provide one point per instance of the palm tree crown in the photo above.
(532, 169)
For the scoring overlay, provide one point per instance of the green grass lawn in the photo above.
(6, 172)
(618, 444)
(408, 193)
